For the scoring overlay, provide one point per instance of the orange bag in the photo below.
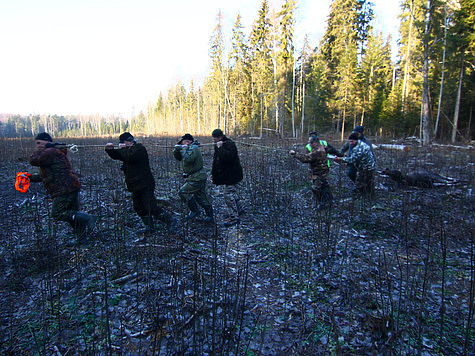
(22, 181)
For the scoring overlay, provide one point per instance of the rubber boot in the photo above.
(84, 221)
(83, 224)
(209, 214)
(149, 226)
(194, 211)
(164, 216)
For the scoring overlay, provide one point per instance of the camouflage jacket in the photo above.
(138, 175)
(361, 157)
(318, 162)
(55, 171)
(191, 161)
(347, 146)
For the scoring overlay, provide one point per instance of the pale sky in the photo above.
(116, 56)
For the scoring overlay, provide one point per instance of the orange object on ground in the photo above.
(22, 181)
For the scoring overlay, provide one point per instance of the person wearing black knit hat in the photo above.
(319, 170)
(193, 192)
(358, 130)
(61, 183)
(139, 180)
(126, 137)
(362, 158)
(226, 172)
(44, 136)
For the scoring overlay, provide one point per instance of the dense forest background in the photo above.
(260, 84)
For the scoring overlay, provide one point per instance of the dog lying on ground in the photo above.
(419, 178)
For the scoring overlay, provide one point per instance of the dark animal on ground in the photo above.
(419, 178)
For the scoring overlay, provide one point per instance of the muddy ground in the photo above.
(390, 276)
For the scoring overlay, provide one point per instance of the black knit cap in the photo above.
(44, 136)
(353, 136)
(217, 133)
(186, 137)
(126, 136)
(313, 135)
(359, 129)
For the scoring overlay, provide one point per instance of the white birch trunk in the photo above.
(457, 106)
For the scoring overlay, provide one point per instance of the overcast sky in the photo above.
(116, 56)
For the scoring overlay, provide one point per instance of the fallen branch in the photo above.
(388, 146)
(125, 278)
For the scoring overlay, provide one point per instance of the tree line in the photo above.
(259, 83)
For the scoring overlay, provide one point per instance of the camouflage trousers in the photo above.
(145, 204)
(65, 206)
(196, 190)
(321, 190)
(232, 201)
(365, 182)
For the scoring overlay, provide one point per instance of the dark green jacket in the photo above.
(191, 161)
(138, 175)
(55, 171)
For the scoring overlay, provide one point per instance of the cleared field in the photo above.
(395, 275)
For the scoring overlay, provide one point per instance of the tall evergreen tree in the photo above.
(218, 77)
(285, 64)
(261, 67)
(463, 43)
(375, 79)
(346, 29)
(239, 76)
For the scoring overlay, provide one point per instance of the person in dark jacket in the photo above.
(193, 192)
(139, 180)
(61, 183)
(227, 173)
(358, 130)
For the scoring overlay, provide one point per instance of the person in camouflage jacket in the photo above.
(317, 158)
(363, 159)
(60, 181)
(359, 130)
(139, 180)
(193, 192)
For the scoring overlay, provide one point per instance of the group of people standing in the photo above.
(226, 172)
(63, 184)
(360, 160)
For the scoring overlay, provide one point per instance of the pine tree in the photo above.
(239, 76)
(285, 65)
(261, 64)
(347, 29)
(410, 54)
(375, 79)
(463, 44)
(217, 80)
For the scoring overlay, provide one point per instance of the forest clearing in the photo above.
(395, 275)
